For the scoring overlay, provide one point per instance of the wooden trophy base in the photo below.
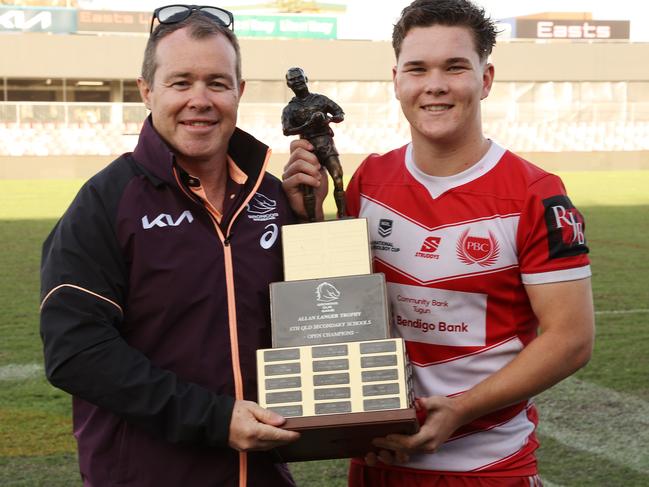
(344, 435)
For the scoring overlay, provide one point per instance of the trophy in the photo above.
(309, 115)
(333, 370)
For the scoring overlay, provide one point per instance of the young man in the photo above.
(155, 281)
(482, 250)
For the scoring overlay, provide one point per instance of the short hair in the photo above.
(453, 13)
(296, 71)
(200, 27)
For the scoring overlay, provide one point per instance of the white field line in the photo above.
(598, 420)
(20, 371)
(622, 311)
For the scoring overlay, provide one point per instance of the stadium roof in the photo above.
(383, 14)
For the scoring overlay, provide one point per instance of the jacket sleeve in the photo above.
(83, 291)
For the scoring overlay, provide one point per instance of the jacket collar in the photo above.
(158, 160)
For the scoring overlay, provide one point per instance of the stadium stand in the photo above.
(61, 100)
(359, 134)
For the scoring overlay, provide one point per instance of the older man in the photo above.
(155, 281)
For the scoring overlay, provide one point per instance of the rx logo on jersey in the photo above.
(565, 227)
(477, 250)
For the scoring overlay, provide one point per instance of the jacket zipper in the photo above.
(232, 310)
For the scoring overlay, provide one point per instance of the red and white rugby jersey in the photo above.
(456, 252)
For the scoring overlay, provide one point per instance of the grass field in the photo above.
(594, 426)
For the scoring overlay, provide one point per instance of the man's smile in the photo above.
(436, 107)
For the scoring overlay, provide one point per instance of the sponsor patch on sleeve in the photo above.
(565, 228)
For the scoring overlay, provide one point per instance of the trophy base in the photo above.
(344, 435)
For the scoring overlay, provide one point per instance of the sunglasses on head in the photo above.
(172, 14)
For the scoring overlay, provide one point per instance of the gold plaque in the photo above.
(326, 249)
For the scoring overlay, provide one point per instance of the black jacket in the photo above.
(143, 297)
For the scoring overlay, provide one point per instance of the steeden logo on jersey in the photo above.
(477, 250)
(429, 247)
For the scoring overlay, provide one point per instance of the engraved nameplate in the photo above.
(282, 369)
(379, 375)
(323, 394)
(284, 383)
(333, 407)
(282, 397)
(330, 379)
(282, 355)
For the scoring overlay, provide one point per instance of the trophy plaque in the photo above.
(329, 310)
(339, 396)
(334, 371)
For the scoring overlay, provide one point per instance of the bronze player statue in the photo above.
(308, 115)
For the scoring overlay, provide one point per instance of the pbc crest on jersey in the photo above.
(477, 250)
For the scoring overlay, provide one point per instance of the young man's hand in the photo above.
(442, 419)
